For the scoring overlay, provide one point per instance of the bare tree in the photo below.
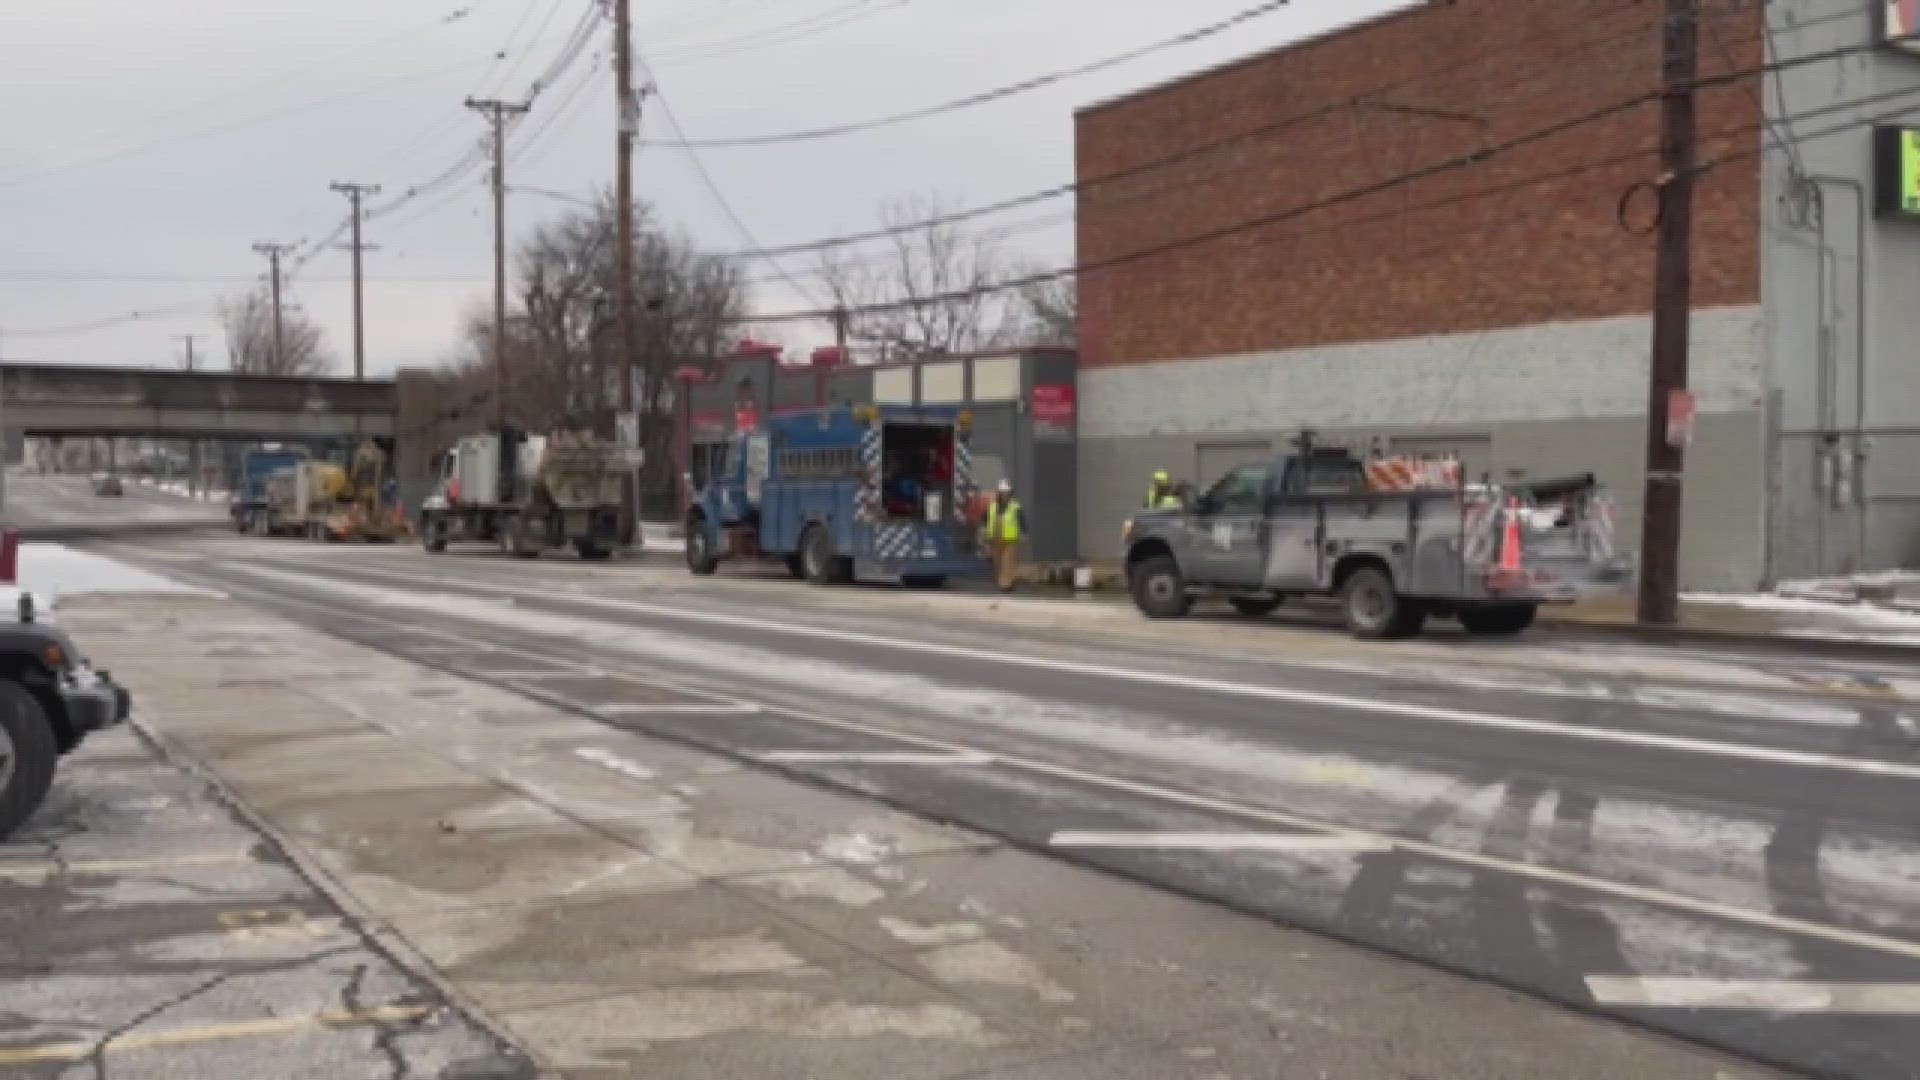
(248, 321)
(564, 359)
(1047, 311)
(930, 290)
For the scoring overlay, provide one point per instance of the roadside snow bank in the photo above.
(53, 571)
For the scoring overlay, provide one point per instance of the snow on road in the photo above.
(54, 571)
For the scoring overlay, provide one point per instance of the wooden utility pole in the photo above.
(625, 307)
(187, 363)
(355, 193)
(273, 253)
(497, 112)
(1672, 312)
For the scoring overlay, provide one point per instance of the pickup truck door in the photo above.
(1230, 530)
(1293, 542)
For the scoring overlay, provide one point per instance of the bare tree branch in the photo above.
(248, 321)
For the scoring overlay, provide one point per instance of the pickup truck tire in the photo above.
(1160, 590)
(701, 559)
(924, 581)
(1256, 607)
(28, 753)
(1500, 619)
(1374, 610)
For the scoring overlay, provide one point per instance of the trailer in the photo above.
(845, 492)
(1397, 540)
(528, 493)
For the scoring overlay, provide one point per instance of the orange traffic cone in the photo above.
(1510, 539)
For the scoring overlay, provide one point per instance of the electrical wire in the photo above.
(999, 93)
(822, 23)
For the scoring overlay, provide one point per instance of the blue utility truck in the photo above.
(844, 492)
(249, 505)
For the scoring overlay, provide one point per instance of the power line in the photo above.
(996, 94)
(800, 30)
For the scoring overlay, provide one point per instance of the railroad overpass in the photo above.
(73, 401)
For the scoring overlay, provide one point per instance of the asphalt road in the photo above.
(1722, 846)
(61, 507)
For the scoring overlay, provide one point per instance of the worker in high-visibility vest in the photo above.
(1160, 495)
(1006, 521)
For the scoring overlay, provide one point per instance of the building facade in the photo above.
(1434, 230)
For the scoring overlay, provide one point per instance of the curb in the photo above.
(1836, 648)
(379, 936)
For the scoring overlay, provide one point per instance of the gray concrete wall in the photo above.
(1537, 401)
(1845, 445)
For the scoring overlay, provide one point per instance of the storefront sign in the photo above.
(1900, 23)
(1053, 410)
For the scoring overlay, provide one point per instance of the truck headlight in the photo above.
(1126, 531)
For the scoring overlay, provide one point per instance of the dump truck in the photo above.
(528, 493)
(307, 499)
(1397, 540)
(844, 492)
(249, 506)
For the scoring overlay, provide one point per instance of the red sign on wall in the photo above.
(746, 417)
(1053, 407)
(1680, 410)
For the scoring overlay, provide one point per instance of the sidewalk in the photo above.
(620, 906)
(1783, 618)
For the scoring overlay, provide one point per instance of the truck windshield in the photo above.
(917, 462)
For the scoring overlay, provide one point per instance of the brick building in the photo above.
(1254, 263)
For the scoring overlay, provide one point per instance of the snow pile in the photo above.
(52, 571)
(1799, 616)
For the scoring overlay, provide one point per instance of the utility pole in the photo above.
(1672, 311)
(626, 310)
(273, 252)
(355, 193)
(497, 112)
(187, 363)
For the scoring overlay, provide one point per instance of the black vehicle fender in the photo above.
(22, 660)
(1147, 548)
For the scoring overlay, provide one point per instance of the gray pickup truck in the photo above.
(1312, 523)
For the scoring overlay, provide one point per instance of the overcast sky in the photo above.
(147, 145)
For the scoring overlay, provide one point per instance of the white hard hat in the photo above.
(1006, 487)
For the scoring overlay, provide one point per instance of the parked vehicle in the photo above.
(528, 493)
(249, 505)
(844, 492)
(50, 699)
(1397, 540)
(109, 486)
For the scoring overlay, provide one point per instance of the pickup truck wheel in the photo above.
(1498, 619)
(1374, 610)
(700, 557)
(924, 581)
(1256, 607)
(1159, 589)
(28, 753)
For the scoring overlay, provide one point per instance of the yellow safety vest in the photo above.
(1004, 526)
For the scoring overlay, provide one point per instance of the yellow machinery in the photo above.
(366, 509)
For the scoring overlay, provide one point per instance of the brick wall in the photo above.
(1447, 253)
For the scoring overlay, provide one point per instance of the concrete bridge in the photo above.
(44, 400)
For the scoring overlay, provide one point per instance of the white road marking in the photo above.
(1218, 841)
(1769, 995)
(842, 757)
(1290, 695)
(642, 708)
(1570, 878)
